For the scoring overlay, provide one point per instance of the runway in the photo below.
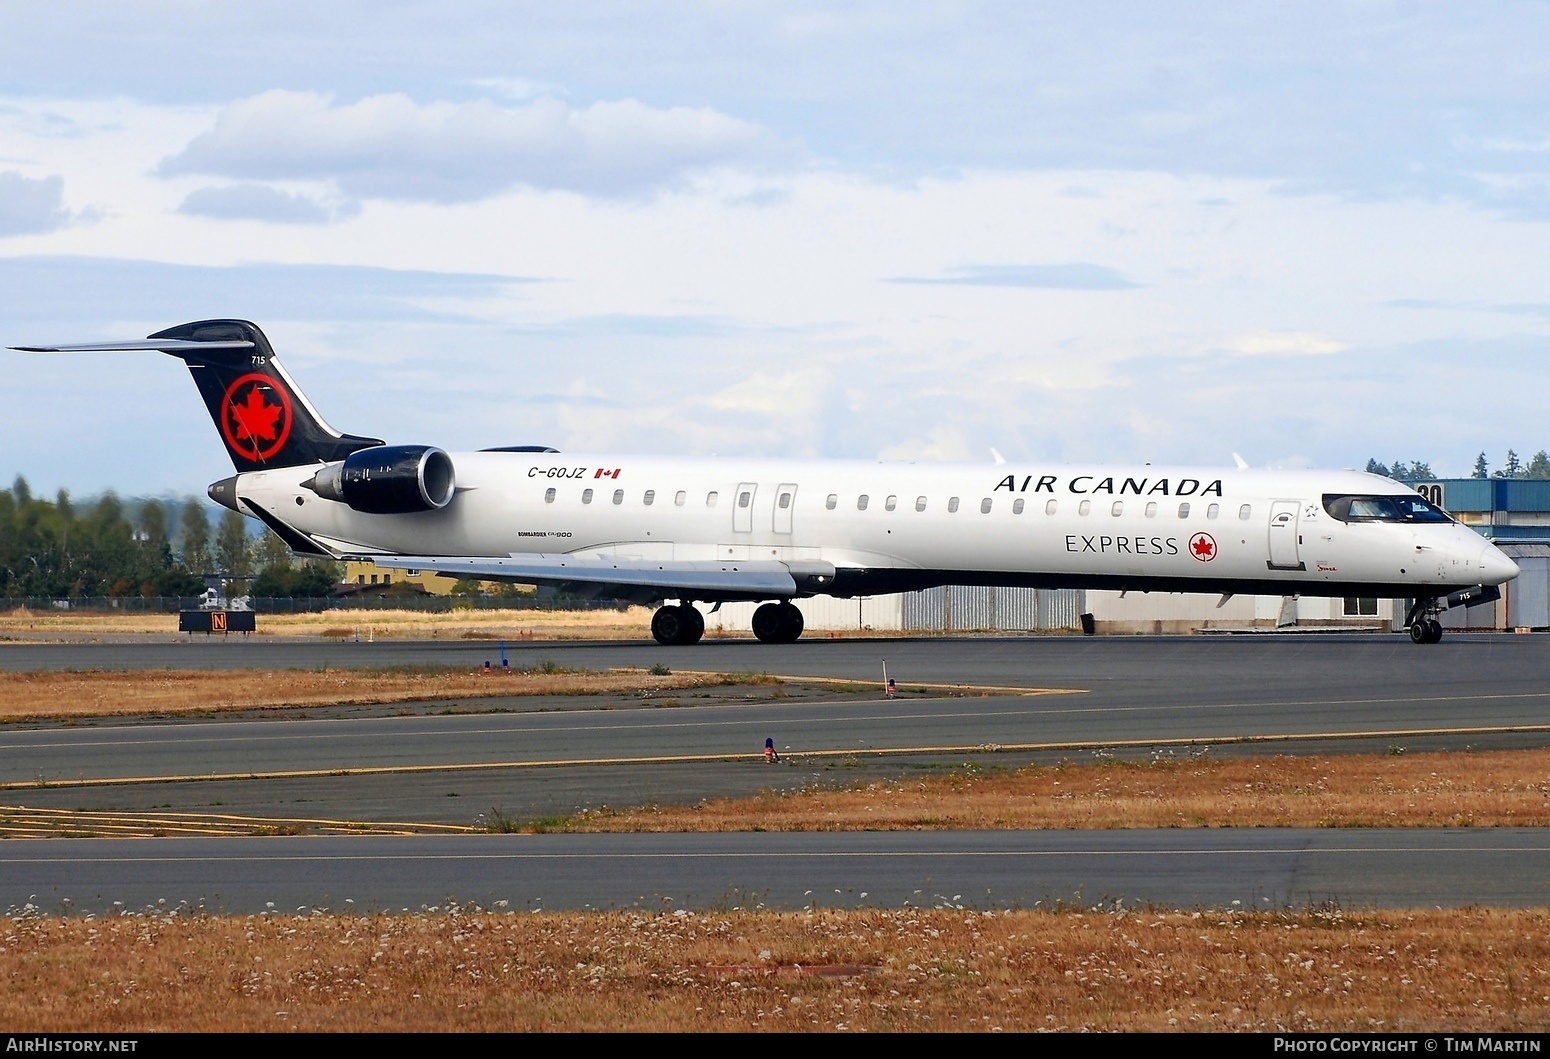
(1247, 868)
(463, 764)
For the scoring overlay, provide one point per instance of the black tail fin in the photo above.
(263, 419)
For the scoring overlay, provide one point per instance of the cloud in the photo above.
(1074, 276)
(1272, 343)
(260, 202)
(85, 295)
(389, 146)
(30, 206)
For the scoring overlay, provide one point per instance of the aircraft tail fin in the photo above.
(262, 417)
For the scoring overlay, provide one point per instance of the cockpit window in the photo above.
(1382, 509)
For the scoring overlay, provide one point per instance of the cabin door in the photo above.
(785, 502)
(1283, 536)
(742, 508)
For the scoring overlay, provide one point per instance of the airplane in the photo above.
(674, 532)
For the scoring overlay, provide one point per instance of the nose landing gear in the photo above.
(1423, 622)
(1426, 630)
(678, 626)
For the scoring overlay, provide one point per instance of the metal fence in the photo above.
(962, 608)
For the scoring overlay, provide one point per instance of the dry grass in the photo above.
(634, 623)
(1444, 789)
(930, 969)
(99, 693)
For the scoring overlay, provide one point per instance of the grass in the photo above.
(1435, 789)
(634, 623)
(77, 694)
(901, 970)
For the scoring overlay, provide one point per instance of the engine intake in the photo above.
(389, 480)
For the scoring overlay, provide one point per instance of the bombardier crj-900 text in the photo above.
(676, 532)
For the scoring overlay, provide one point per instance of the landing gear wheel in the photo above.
(766, 623)
(791, 623)
(1420, 631)
(777, 623)
(1433, 631)
(694, 624)
(680, 625)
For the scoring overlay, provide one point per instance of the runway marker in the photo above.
(796, 756)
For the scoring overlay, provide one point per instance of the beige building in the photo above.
(369, 575)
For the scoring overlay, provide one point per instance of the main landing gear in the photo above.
(1424, 624)
(679, 625)
(682, 624)
(777, 623)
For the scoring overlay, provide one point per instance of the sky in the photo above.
(1307, 233)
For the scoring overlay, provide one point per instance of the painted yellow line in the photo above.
(877, 685)
(21, 820)
(178, 818)
(793, 755)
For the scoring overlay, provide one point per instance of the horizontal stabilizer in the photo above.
(174, 346)
(706, 580)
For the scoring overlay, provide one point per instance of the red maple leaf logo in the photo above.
(255, 417)
(1202, 547)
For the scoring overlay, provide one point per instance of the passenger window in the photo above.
(1017, 506)
(1050, 506)
(862, 501)
(785, 501)
(1084, 507)
(891, 503)
(549, 495)
(1183, 511)
(1118, 509)
(679, 498)
(650, 497)
(618, 496)
(952, 505)
(985, 506)
(920, 503)
(1151, 509)
(1244, 512)
(832, 501)
(586, 496)
(711, 498)
(744, 498)
(1213, 510)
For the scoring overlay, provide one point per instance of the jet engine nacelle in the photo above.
(389, 480)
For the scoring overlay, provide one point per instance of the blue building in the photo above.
(1514, 514)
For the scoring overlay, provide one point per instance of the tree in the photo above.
(1481, 469)
(233, 550)
(1417, 471)
(152, 522)
(1539, 466)
(272, 552)
(309, 580)
(1513, 468)
(1400, 471)
(195, 529)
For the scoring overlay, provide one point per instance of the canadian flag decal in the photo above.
(602, 473)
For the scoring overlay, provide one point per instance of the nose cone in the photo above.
(1496, 568)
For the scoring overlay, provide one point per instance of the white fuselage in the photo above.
(893, 526)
